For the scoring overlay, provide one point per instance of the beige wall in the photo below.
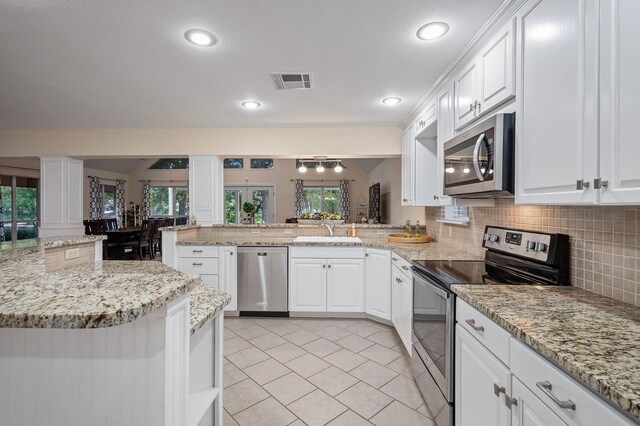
(388, 174)
(284, 170)
(288, 142)
(157, 178)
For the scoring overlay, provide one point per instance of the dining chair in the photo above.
(142, 244)
(111, 224)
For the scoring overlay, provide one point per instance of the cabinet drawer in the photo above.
(199, 266)
(536, 372)
(402, 264)
(490, 334)
(197, 251)
(325, 252)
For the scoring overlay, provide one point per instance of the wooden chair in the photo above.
(94, 227)
(111, 224)
(142, 245)
(156, 239)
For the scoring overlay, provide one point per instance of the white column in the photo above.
(61, 180)
(206, 189)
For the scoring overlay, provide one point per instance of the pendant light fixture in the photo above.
(302, 168)
(338, 167)
(320, 167)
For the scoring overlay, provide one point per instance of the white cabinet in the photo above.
(556, 127)
(445, 131)
(345, 285)
(408, 167)
(488, 80)
(319, 283)
(378, 283)
(482, 382)
(402, 305)
(308, 285)
(425, 119)
(528, 410)
(228, 274)
(619, 106)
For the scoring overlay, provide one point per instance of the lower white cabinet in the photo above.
(308, 285)
(482, 382)
(528, 410)
(378, 283)
(402, 305)
(228, 274)
(345, 285)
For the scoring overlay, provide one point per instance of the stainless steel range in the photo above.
(513, 257)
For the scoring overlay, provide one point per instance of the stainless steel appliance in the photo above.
(479, 163)
(262, 280)
(512, 257)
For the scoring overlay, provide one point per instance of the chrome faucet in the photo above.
(330, 228)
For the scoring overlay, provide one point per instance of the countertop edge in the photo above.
(216, 300)
(605, 392)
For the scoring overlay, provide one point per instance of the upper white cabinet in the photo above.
(556, 126)
(444, 101)
(619, 106)
(488, 80)
(408, 167)
(378, 283)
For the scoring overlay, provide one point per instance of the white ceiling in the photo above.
(123, 63)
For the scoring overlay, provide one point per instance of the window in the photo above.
(261, 163)
(109, 201)
(321, 199)
(233, 163)
(171, 163)
(235, 197)
(456, 214)
(169, 201)
(20, 207)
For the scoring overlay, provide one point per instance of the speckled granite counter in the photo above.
(205, 304)
(410, 252)
(91, 295)
(593, 338)
(12, 249)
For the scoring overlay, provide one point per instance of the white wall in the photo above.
(285, 169)
(388, 174)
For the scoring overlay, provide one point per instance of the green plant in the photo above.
(249, 208)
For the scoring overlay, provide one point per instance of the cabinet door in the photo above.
(402, 312)
(556, 126)
(481, 384)
(408, 167)
(620, 109)
(466, 95)
(345, 285)
(378, 283)
(308, 285)
(228, 275)
(497, 69)
(395, 299)
(445, 132)
(529, 410)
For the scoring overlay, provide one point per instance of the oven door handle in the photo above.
(433, 287)
(476, 157)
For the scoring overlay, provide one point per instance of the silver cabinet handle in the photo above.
(324, 266)
(546, 387)
(476, 157)
(509, 402)
(197, 264)
(471, 106)
(405, 267)
(498, 389)
(395, 259)
(366, 255)
(329, 266)
(476, 104)
(261, 254)
(600, 184)
(472, 324)
(404, 200)
(581, 185)
(196, 251)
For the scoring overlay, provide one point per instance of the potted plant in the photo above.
(250, 210)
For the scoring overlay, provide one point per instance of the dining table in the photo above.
(116, 239)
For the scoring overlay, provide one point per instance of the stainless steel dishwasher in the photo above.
(263, 280)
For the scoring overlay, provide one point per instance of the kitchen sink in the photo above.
(327, 240)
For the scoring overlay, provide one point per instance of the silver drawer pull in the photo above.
(405, 267)
(262, 254)
(197, 264)
(509, 401)
(196, 251)
(546, 387)
(395, 259)
(472, 324)
(498, 389)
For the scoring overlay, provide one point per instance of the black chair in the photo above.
(111, 224)
(142, 245)
(156, 239)
(182, 220)
(94, 227)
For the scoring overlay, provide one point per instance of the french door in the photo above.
(262, 196)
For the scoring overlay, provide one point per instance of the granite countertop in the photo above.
(12, 249)
(593, 338)
(284, 225)
(409, 252)
(205, 304)
(91, 295)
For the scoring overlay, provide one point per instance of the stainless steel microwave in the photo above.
(479, 163)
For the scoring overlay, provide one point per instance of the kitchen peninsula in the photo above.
(115, 342)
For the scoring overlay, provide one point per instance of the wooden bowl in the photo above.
(400, 238)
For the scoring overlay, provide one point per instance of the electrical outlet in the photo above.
(288, 232)
(255, 232)
(73, 253)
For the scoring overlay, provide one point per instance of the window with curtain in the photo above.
(20, 206)
(321, 199)
(109, 201)
(169, 201)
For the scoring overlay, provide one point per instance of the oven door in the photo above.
(433, 328)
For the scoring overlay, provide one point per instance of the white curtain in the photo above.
(146, 200)
(96, 204)
(345, 210)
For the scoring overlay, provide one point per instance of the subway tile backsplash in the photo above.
(604, 240)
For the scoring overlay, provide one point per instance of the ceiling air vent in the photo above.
(286, 81)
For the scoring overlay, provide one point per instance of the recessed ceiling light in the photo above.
(200, 38)
(432, 30)
(251, 104)
(393, 100)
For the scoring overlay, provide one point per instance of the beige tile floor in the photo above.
(294, 371)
